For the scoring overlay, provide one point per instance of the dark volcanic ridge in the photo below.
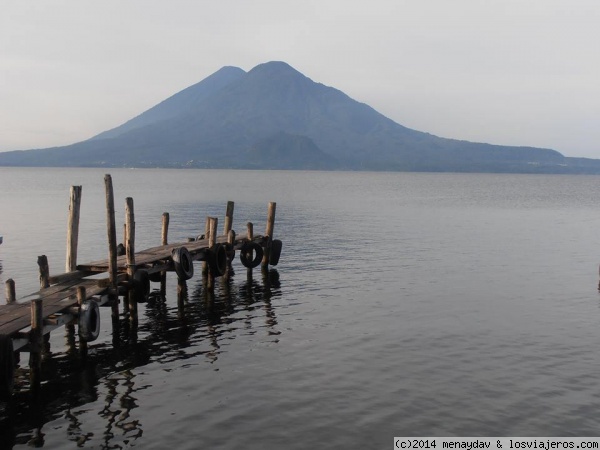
(274, 117)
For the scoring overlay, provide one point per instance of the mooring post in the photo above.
(181, 296)
(36, 342)
(44, 271)
(230, 241)
(73, 229)
(269, 232)
(165, 229)
(213, 223)
(11, 294)
(72, 244)
(228, 218)
(44, 283)
(81, 297)
(212, 240)
(206, 233)
(164, 241)
(227, 227)
(112, 244)
(130, 254)
(250, 237)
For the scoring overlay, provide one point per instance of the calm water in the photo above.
(403, 304)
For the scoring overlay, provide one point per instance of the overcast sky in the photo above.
(515, 72)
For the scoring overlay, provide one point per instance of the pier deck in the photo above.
(72, 298)
(61, 296)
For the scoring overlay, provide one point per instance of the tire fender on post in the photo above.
(7, 367)
(246, 254)
(155, 277)
(89, 321)
(141, 285)
(217, 261)
(184, 266)
(275, 252)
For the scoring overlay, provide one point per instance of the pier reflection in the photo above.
(190, 323)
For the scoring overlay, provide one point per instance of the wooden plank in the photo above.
(13, 317)
(68, 276)
(16, 317)
(150, 255)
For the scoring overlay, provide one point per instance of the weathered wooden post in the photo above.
(227, 227)
(130, 254)
(11, 294)
(44, 271)
(230, 241)
(206, 233)
(164, 241)
(250, 237)
(212, 231)
(72, 243)
(181, 296)
(228, 218)
(36, 342)
(44, 283)
(73, 229)
(212, 240)
(269, 232)
(81, 297)
(112, 244)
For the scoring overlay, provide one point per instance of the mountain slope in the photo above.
(275, 117)
(180, 103)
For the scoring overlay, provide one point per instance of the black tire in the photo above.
(7, 367)
(184, 266)
(246, 254)
(217, 260)
(89, 321)
(275, 252)
(141, 285)
(155, 277)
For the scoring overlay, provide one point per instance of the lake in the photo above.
(404, 304)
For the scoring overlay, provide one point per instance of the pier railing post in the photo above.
(269, 232)
(112, 243)
(130, 254)
(73, 229)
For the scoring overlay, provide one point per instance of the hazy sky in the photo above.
(516, 72)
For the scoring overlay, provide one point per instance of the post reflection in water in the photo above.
(192, 327)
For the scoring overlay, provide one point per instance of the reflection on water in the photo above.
(192, 326)
(412, 304)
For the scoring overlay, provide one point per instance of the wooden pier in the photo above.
(75, 296)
